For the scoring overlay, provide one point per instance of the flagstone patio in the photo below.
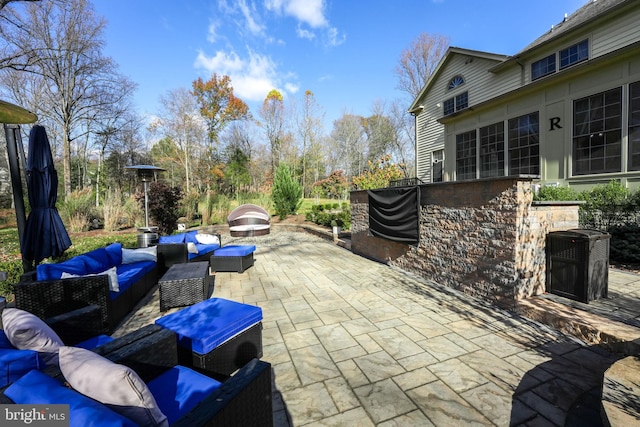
(359, 343)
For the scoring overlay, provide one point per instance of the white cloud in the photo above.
(335, 38)
(212, 35)
(291, 87)
(304, 34)
(252, 77)
(250, 16)
(310, 12)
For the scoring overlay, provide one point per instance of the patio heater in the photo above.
(148, 235)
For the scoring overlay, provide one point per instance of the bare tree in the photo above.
(3, 3)
(348, 145)
(309, 128)
(380, 132)
(273, 123)
(62, 41)
(418, 61)
(403, 146)
(182, 124)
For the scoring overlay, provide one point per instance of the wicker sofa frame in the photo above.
(177, 253)
(47, 298)
(244, 399)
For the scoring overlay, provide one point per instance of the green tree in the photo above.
(378, 174)
(286, 192)
(236, 173)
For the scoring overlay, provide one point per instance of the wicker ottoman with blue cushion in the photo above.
(232, 258)
(217, 335)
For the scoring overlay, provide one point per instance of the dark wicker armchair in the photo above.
(177, 253)
(48, 298)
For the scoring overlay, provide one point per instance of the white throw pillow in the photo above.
(112, 273)
(129, 256)
(26, 331)
(191, 248)
(111, 384)
(207, 239)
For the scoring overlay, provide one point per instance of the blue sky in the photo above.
(344, 51)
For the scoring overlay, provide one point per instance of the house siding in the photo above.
(507, 92)
(613, 37)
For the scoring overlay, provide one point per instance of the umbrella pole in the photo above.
(12, 134)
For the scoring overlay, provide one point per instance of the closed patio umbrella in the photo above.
(45, 235)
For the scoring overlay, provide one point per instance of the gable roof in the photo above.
(586, 14)
(589, 12)
(446, 58)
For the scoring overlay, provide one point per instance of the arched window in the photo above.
(455, 82)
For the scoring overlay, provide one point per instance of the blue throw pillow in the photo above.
(74, 265)
(175, 238)
(190, 236)
(96, 260)
(114, 252)
(38, 388)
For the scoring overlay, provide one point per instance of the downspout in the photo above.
(522, 81)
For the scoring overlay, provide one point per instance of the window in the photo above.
(573, 54)
(524, 145)
(455, 82)
(466, 155)
(543, 67)
(437, 173)
(459, 102)
(449, 106)
(634, 126)
(597, 133)
(492, 150)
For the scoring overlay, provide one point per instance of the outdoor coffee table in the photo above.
(216, 335)
(185, 284)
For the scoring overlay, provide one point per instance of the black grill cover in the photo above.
(394, 214)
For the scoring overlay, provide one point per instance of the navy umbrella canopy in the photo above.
(45, 235)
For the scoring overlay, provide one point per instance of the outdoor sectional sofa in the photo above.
(185, 397)
(81, 327)
(85, 280)
(190, 246)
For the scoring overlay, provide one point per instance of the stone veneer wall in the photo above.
(485, 238)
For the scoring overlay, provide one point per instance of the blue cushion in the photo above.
(96, 260)
(235, 250)
(128, 274)
(38, 388)
(4, 341)
(94, 342)
(190, 236)
(179, 390)
(203, 249)
(15, 363)
(114, 252)
(74, 265)
(207, 324)
(175, 238)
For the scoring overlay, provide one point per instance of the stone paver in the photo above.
(358, 343)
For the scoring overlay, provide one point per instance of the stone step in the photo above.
(617, 337)
(621, 393)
